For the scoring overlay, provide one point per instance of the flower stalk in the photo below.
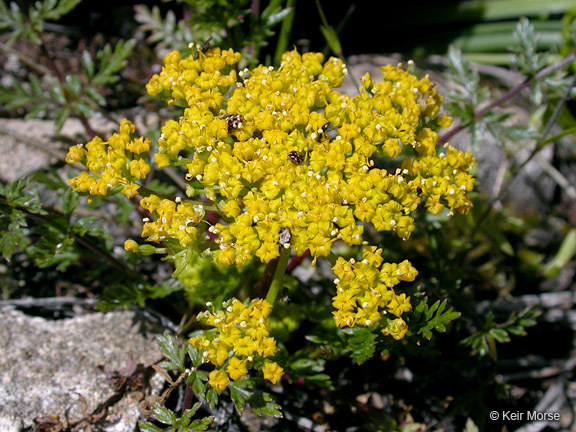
(279, 274)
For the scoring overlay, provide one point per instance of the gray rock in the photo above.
(19, 157)
(30, 145)
(54, 369)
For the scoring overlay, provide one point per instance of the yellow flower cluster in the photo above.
(241, 342)
(118, 162)
(175, 219)
(291, 163)
(443, 178)
(365, 291)
(195, 82)
(287, 153)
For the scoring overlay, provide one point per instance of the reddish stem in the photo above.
(91, 133)
(187, 397)
(212, 218)
(296, 261)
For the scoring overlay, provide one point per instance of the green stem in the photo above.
(332, 258)
(557, 136)
(278, 275)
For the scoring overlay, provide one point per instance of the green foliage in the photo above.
(311, 348)
(261, 403)
(112, 61)
(20, 205)
(182, 424)
(362, 343)
(72, 95)
(17, 195)
(435, 317)
(30, 25)
(529, 62)
(483, 340)
(568, 33)
(311, 371)
(166, 32)
(55, 239)
(330, 33)
(13, 233)
(173, 351)
(564, 255)
(236, 24)
(332, 39)
(526, 56)
(469, 95)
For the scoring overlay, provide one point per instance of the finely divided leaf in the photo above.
(437, 317)
(263, 404)
(362, 343)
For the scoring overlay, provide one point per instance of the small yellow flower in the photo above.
(110, 162)
(396, 328)
(76, 154)
(231, 208)
(226, 256)
(131, 190)
(162, 160)
(219, 380)
(364, 289)
(272, 372)
(399, 304)
(237, 368)
(445, 121)
(139, 169)
(268, 251)
(218, 353)
(243, 332)
(289, 161)
(127, 127)
(131, 246)
(140, 145)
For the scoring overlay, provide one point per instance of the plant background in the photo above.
(505, 266)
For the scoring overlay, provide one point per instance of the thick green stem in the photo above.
(278, 275)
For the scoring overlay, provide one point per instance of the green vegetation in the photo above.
(411, 307)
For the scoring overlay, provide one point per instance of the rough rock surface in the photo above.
(29, 145)
(52, 368)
